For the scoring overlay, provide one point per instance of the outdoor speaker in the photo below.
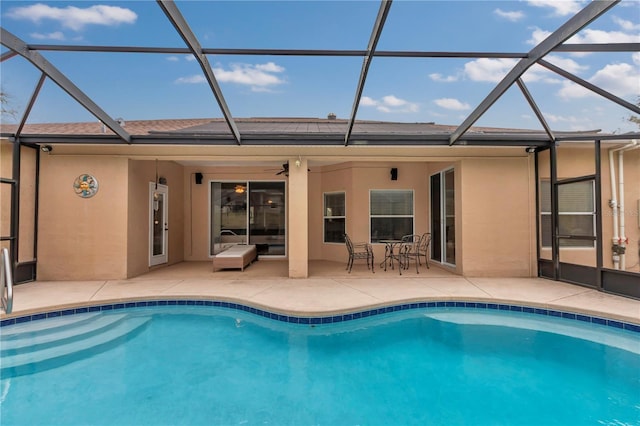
(198, 178)
(394, 174)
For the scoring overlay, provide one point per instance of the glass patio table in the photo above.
(390, 255)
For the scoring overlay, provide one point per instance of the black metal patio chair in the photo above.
(359, 251)
(423, 248)
(410, 249)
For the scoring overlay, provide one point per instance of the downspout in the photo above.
(624, 240)
(619, 238)
(613, 203)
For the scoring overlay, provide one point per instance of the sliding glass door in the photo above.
(248, 213)
(228, 215)
(443, 219)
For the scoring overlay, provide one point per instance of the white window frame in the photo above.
(325, 216)
(586, 244)
(412, 215)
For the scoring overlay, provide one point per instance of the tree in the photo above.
(634, 118)
(6, 109)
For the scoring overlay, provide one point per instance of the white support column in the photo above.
(298, 230)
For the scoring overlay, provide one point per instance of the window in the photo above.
(334, 217)
(576, 213)
(391, 214)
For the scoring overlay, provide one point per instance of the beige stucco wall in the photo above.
(141, 173)
(632, 209)
(82, 238)
(27, 222)
(196, 205)
(575, 161)
(106, 237)
(511, 248)
(631, 161)
(298, 221)
(356, 179)
(497, 211)
(316, 179)
(333, 178)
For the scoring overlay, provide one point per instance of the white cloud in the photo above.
(450, 103)
(56, 35)
(189, 58)
(489, 69)
(367, 101)
(513, 16)
(554, 118)
(636, 58)
(193, 79)
(73, 17)
(587, 36)
(571, 90)
(492, 70)
(571, 122)
(567, 64)
(626, 25)
(173, 58)
(538, 73)
(259, 89)
(260, 76)
(559, 7)
(537, 36)
(392, 101)
(599, 36)
(442, 79)
(620, 79)
(269, 67)
(390, 104)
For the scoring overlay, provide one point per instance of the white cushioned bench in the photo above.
(236, 256)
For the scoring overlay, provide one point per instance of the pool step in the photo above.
(70, 349)
(44, 326)
(56, 335)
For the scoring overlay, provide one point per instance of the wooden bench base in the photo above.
(236, 257)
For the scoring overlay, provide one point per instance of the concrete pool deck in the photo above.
(328, 290)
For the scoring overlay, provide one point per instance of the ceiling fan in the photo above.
(285, 170)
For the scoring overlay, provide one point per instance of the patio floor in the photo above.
(329, 289)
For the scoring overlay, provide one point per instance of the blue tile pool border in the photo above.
(329, 319)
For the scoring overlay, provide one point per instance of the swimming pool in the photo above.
(411, 364)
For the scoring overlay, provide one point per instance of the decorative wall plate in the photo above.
(85, 186)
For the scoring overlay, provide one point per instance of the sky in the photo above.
(443, 90)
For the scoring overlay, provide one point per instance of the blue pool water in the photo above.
(217, 366)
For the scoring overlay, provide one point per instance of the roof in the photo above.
(281, 130)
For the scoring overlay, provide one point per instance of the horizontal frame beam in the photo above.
(609, 47)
